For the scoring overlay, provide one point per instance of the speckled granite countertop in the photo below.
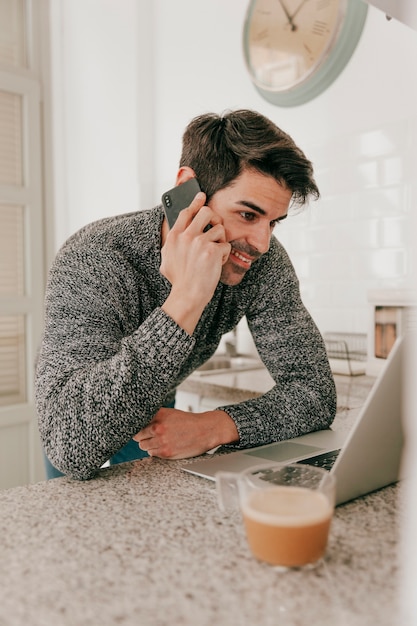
(145, 544)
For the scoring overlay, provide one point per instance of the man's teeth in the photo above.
(239, 256)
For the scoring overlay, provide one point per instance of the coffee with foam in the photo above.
(287, 526)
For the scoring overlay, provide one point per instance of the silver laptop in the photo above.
(367, 458)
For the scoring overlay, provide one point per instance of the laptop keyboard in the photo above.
(326, 460)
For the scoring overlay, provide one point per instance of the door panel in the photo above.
(21, 245)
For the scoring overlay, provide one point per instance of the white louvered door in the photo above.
(21, 245)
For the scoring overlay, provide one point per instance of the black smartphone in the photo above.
(179, 198)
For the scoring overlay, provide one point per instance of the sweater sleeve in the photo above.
(102, 373)
(289, 343)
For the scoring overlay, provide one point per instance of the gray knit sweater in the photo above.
(110, 357)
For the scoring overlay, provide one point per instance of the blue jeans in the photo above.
(129, 452)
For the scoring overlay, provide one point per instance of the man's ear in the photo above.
(184, 174)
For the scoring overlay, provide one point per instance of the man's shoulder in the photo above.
(119, 222)
(118, 231)
(276, 257)
(276, 246)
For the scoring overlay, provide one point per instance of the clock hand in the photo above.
(289, 17)
(297, 10)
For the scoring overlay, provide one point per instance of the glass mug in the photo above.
(286, 509)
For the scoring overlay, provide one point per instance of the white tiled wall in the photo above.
(358, 236)
(361, 135)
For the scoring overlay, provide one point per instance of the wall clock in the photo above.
(294, 49)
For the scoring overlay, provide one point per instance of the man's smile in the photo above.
(238, 255)
(243, 254)
(240, 260)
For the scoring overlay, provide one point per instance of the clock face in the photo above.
(288, 40)
(295, 49)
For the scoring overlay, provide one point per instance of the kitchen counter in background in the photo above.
(145, 543)
(227, 388)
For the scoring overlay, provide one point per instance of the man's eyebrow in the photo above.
(252, 206)
(258, 209)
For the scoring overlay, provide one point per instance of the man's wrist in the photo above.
(225, 428)
(185, 314)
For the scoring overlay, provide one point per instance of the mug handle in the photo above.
(227, 490)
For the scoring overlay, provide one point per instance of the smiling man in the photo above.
(132, 308)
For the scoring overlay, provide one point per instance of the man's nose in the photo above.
(260, 238)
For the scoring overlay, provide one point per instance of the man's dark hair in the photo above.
(220, 147)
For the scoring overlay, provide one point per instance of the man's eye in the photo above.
(249, 217)
(274, 223)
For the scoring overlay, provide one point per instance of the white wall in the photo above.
(96, 51)
(359, 134)
(131, 80)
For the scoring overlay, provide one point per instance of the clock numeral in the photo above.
(308, 50)
(263, 34)
(319, 28)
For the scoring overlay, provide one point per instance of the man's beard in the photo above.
(232, 273)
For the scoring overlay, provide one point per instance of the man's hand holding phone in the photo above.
(192, 260)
